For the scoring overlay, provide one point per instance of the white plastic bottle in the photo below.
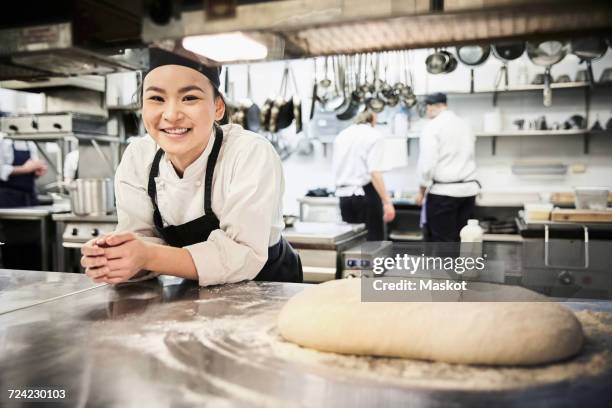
(471, 232)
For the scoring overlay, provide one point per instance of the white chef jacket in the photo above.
(71, 165)
(247, 190)
(446, 154)
(7, 157)
(358, 151)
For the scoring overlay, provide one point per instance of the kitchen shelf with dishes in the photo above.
(529, 87)
(519, 133)
(586, 133)
(547, 132)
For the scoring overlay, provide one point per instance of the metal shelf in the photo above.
(534, 133)
(519, 133)
(51, 136)
(91, 82)
(527, 88)
(523, 88)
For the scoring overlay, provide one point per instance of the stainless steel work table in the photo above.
(20, 289)
(167, 342)
(42, 214)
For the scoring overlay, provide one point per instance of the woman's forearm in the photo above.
(168, 260)
(379, 185)
(19, 170)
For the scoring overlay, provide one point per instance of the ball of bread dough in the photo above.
(331, 317)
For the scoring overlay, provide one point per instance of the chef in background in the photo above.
(358, 166)
(19, 168)
(446, 169)
(71, 166)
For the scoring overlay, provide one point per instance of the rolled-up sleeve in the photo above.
(6, 159)
(428, 156)
(33, 151)
(239, 248)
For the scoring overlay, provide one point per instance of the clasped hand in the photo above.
(114, 258)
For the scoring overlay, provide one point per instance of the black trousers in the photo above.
(446, 216)
(366, 209)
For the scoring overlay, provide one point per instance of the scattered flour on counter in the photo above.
(156, 340)
(141, 296)
(247, 334)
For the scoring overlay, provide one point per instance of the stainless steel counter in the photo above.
(170, 343)
(69, 217)
(20, 289)
(320, 245)
(33, 212)
(322, 235)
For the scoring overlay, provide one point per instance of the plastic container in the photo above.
(471, 232)
(591, 198)
(538, 211)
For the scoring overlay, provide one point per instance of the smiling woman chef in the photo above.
(194, 199)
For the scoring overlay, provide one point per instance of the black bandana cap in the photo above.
(159, 57)
(435, 98)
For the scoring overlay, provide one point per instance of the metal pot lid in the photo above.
(550, 48)
(436, 63)
(546, 53)
(376, 104)
(589, 48)
(508, 51)
(452, 63)
(473, 54)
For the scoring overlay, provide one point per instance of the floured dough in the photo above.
(331, 317)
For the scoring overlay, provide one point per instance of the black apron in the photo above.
(283, 264)
(18, 190)
(366, 209)
(442, 217)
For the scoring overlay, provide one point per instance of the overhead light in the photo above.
(226, 47)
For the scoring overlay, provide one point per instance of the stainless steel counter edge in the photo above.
(87, 218)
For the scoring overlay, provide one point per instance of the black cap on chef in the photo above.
(434, 98)
(159, 57)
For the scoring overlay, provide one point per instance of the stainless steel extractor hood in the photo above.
(76, 37)
(52, 50)
(305, 28)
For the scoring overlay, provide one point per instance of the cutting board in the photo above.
(571, 215)
(568, 198)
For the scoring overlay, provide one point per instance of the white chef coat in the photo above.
(247, 191)
(7, 157)
(358, 151)
(446, 154)
(71, 165)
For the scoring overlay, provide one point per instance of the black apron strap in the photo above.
(152, 190)
(210, 168)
